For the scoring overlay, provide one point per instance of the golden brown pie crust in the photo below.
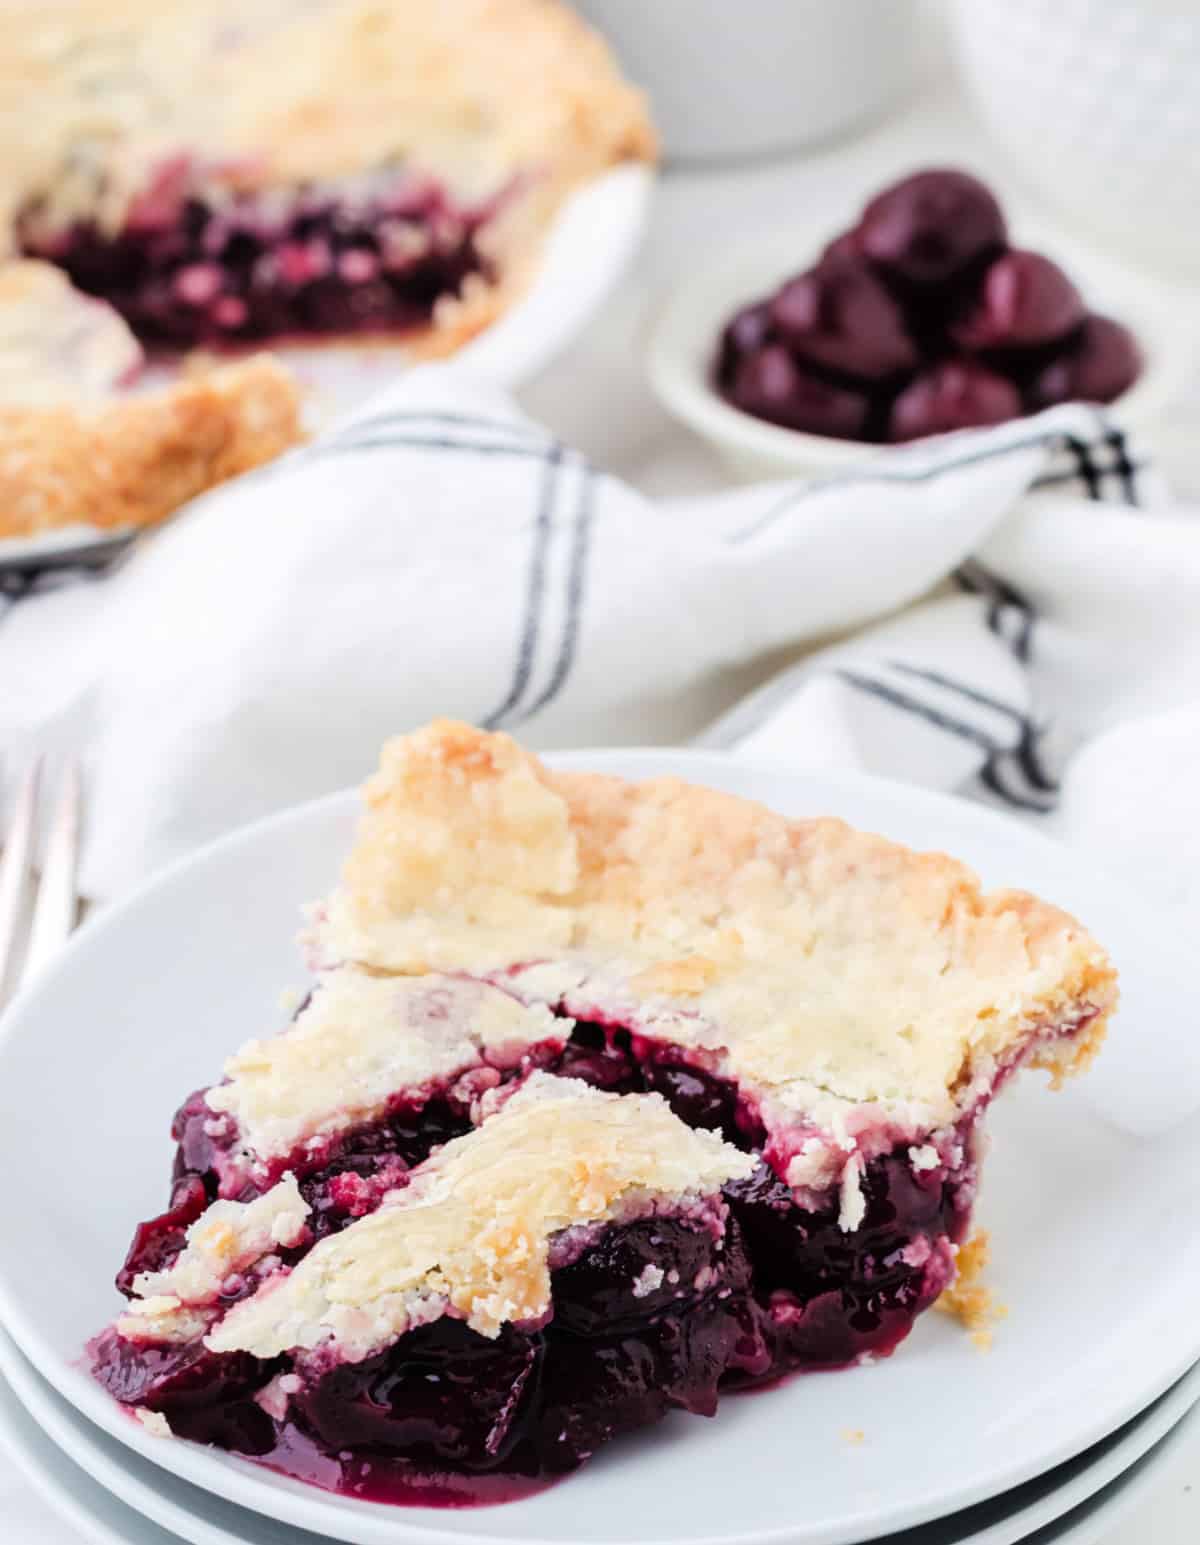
(823, 968)
(134, 460)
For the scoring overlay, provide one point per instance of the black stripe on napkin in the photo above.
(1010, 615)
(1027, 750)
(1007, 768)
(870, 472)
(17, 583)
(1003, 775)
(458, 444)
(1087, 470)
(581, 531)
(1102, 469)
(534, 592)
(1125, 468)
(912, 705)
(375, 422)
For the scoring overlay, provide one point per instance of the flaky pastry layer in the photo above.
(362, 1041)
(841, 979)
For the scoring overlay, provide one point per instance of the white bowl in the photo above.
(1097, 104)
(761, 75)
(684, 340)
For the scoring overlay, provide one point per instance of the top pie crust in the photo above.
(98, 96)
(362, 1040)
(847, 984)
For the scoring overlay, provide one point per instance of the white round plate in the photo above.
(1095, 1521)
(205, 1519)
(1089, 1196)
(684, 340)
(588, 248)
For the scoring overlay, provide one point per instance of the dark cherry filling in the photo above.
(158, 1241)
(832, 1296)
(647, 1317)
(656, 1314)
(206, 1397)
(828, 1296)
(341, 1183)
(369, 256)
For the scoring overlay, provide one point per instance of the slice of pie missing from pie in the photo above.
(608, 1097)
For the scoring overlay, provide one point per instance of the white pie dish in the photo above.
(159, 1502)
(684, 336)
(1082, 1352)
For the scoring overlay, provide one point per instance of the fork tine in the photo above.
(14, 867)
(57, 900)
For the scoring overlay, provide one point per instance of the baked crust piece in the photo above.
(845, 983)
(58, 346)
(360, 1039)
(134, 460)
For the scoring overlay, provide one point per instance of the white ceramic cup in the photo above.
(1097, 103)
(747, 77)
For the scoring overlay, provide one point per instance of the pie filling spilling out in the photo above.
(608, 1098)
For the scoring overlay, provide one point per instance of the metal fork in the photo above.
(36, 917)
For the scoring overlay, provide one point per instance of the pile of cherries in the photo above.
(918, 320)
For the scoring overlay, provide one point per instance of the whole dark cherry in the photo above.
(956, 394)
(1099, 365)
(748, 330)
(840, 316)
(929, 227)
(844, 246)
(771, 385)
(1024, 300)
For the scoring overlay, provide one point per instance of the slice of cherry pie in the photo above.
(232, 170)
(608, 1097)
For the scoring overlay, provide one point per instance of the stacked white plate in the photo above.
(1089, 1198)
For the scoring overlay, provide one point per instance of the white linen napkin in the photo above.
(996, 613)
(1013, 614)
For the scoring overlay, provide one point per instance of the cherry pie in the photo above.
(608, 1098)
(224, 171)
